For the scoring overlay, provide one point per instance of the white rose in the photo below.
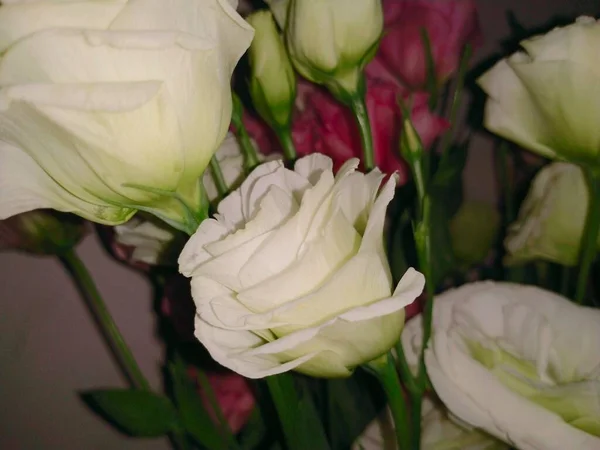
(517, 361)
(552, 217)
(292, 273)
(331, 41)
(547, 98)
(107, 107)
(438, 432)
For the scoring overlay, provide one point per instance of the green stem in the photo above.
(388, 377)
(179, 440)
(287, 143)
(589, 239)
(456, 98)
(432, 83)
(424, 255)
(405, 373)
(359, 108)
(250, 156)
(104, 320)
(218, 178)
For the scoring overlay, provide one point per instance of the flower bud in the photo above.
(272, 82)
(41, 232)
(552, 217)
(330, 41)
(474, 230)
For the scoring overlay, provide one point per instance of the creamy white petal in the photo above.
(275, 208)
(322, 258)
(573, 43)
(20, 19)
(282, 248)
(571, 118)
(496, 359)
(194, 254)
(24, 186)
(191, 69)
(81, 136)
(511, 111)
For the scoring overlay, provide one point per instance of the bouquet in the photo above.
(291, 181)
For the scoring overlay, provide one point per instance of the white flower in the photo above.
(272, 79)
(107, 107)
(547, 99)
(552, 217)
(292, 273)
(151, 241)
(438, 432)
(518, 362)
(331, 41)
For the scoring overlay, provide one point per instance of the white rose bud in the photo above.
(292, 274)
(331, 41)
(552, 218)
(547, 98)
(108, 107)
(518, 362)
(439, 432)
(272, 79)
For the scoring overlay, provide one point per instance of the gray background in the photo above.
(49, 348)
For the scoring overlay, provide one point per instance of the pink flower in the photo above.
(233, 394)
(401, 58)
(322, 125)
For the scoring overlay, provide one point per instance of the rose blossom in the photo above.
(292, 273)
(450, 25)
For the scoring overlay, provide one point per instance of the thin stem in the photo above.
(218, 178)
(179, 440)
(405, 373)
(432, 83)
(104, 320)
(423, 240)
(287, 143)
(456, 98)
(359, 108)
(250, 155)
(388, 377)
(589, 239)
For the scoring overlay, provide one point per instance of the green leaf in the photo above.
(352, 404)
(194, 417)
(262, 430)
(135, 412)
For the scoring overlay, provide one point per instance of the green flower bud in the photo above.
(331, 41)
(272, 82)
(42, 232)
(474, 229)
